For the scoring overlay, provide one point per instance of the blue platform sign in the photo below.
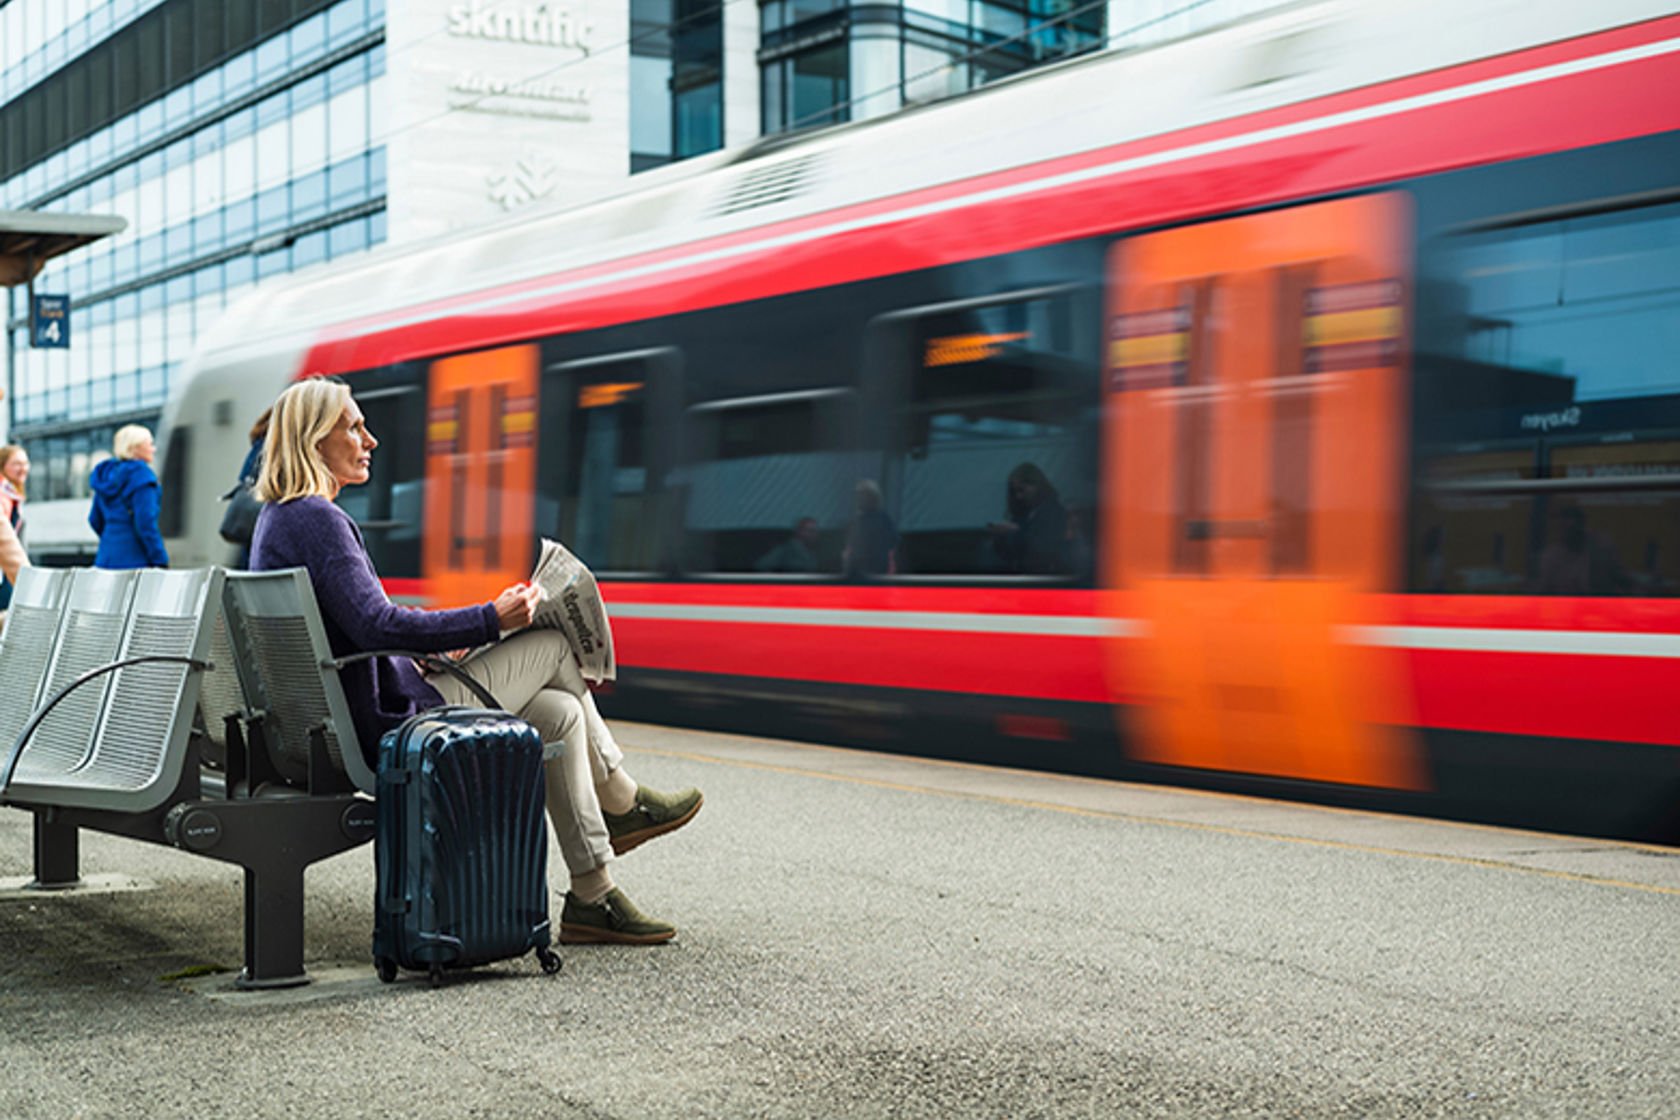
(49, 322)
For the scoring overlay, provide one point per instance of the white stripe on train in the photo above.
(1053, 625)
(1450, 638)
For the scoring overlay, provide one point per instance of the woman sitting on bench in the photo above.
(318, 443)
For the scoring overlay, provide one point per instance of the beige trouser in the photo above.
(534, 675)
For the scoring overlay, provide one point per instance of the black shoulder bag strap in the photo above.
(431, 661)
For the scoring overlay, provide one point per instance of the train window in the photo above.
(601, 486)
(996, 463)
(767, 482)
(389, 508)
(1548, 406)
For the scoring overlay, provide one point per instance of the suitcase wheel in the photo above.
(550, 960)
(387, 968)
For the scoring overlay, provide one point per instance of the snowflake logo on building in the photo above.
(530, 177)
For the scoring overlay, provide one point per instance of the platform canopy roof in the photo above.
(31, 238)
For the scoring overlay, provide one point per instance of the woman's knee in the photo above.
(556, 714)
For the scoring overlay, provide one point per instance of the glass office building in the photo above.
(238, 140)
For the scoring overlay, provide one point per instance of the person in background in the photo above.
(14, 470)
(872, 538)
(126, 496)
(14, 475)
(248, 471)
(1034, 539)
(796, 554)
(318, 443)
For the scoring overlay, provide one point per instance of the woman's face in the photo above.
(145, 449)
(347, 450)
(17, 468)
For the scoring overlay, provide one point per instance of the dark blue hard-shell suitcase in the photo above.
(461, 847)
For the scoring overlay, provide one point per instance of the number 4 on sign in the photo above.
(49, 331)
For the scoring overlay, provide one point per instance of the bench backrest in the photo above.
(27, 644)
(90, 633)
(274, 623)
(120, 742)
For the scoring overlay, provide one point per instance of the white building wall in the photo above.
(741, 102)
(499, 103)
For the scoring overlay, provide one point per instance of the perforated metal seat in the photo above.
(89, 635)
(295, 687)
(139, 715)
(27, 645)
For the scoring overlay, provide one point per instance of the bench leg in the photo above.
(273, 929)
(57, 854)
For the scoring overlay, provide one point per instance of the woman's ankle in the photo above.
(618, 793)
(592, 886)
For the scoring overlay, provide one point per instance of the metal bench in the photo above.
(199, 709)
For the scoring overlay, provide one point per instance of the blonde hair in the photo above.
(6, 454)
(128, 439)
(303, 416)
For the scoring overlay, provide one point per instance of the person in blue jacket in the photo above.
(125, 504)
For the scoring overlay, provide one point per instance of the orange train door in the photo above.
(1255, 412)
(481, 467)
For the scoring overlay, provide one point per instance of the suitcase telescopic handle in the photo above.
(432, 661)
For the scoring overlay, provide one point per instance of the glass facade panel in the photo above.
(895, 56)
(818, 90)
(676, 80)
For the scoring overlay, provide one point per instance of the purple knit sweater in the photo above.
(314, 533)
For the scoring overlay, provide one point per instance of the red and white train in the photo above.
(1343, 345)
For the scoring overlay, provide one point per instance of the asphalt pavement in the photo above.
(864, 935)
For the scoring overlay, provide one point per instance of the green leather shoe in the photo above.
(653, 814)
(612, 921)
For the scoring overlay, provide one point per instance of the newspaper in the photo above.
(571, 601)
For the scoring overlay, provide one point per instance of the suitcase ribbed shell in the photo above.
(462, 844)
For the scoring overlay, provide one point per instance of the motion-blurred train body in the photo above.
(1293, 409)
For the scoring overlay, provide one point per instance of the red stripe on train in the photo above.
(1614, 698)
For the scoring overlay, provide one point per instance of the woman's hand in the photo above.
(516, 606)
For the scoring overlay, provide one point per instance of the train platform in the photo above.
(876, 936)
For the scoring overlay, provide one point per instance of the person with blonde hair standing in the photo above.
(126, 497)
(14, 473)
(318, 443)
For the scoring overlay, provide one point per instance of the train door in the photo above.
(1255, 413)
(480, 463)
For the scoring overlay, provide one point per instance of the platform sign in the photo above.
(49, 322)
